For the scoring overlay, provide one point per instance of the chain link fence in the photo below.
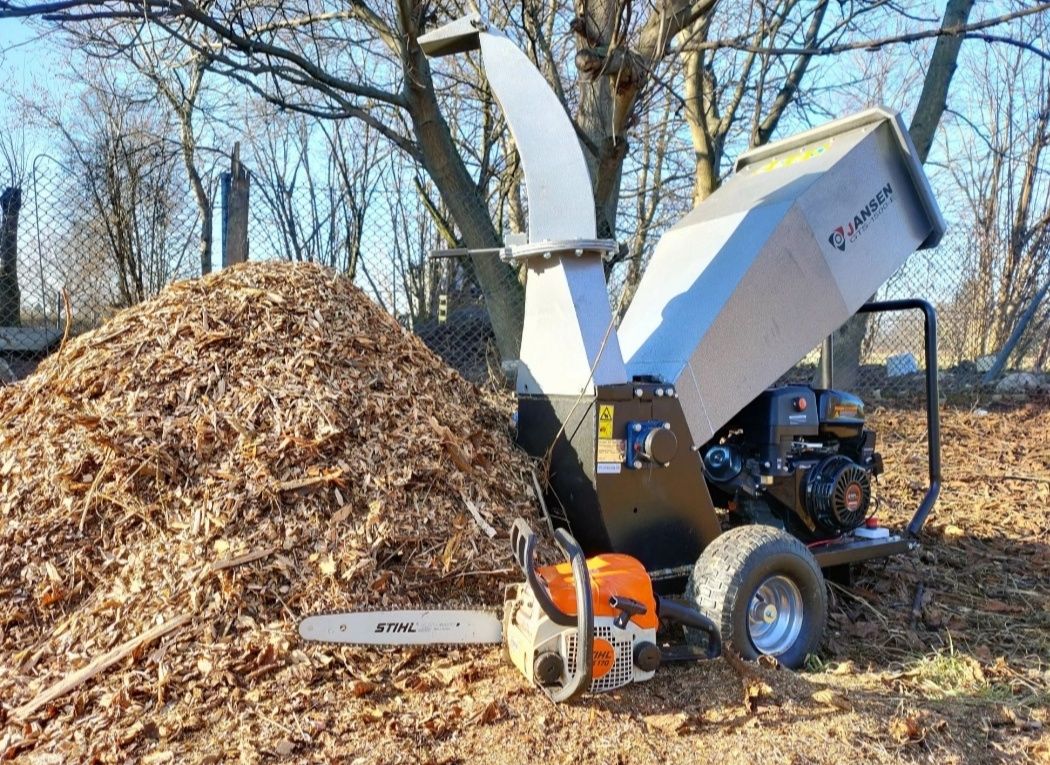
(78, 245)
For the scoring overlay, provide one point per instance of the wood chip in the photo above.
(101, 664)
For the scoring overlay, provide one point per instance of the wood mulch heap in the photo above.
(179, 486)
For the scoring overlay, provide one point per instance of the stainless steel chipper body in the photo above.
(791, 245)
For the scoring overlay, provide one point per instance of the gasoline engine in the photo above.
(797, 458)
(589, 624)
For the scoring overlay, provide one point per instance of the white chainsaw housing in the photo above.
(529, 634)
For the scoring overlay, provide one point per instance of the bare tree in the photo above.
(127, 167)
(1001, 162)
(316, 180)
(172, 72)
(939, 74)
(296, 55)
(13, 166)
(725, 89)
(650, 195)
(850, 338)
(181, 89)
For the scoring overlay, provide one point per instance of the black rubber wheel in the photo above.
(764, 590)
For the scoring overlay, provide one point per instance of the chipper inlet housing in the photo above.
(653, 425)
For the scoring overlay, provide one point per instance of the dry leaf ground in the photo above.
(265, 443)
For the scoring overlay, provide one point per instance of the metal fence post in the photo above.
(10, 295)
(235, 210)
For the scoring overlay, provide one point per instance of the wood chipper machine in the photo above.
(649, 428)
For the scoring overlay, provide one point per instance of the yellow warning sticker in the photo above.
(793, 158)
(605, 421)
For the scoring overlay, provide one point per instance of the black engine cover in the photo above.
(800, 453)
(837, 494)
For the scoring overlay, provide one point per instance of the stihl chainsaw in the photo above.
(582, 625)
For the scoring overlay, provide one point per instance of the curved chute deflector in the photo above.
(558, 185)
(567, 314)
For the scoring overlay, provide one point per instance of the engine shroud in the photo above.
(837, 494)
(796, 457)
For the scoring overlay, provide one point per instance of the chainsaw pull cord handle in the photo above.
(523, 541)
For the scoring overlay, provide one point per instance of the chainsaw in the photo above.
(587, 624)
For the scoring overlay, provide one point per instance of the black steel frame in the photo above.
(836, 554)
(933, 417)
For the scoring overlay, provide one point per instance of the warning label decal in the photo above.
(611, 450)
(605, 421)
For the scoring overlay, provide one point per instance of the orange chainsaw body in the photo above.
(611, 575)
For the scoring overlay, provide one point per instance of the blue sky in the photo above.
(29, 64)
(23, 54)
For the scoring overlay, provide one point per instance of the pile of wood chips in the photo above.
(180, 486)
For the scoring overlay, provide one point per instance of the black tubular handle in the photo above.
(933, 416)
(670, 610)
(523, 542)
(581, 678)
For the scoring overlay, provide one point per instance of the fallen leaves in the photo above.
(831, 698)
(359, 688)
(910, 728)
(756, 691)
(676, 723)
(488, 713)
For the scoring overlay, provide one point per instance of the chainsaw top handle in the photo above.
(523, 541)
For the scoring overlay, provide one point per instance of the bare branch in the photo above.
(740, 42)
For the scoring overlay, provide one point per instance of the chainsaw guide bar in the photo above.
(405, 627)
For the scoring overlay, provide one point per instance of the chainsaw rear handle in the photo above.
(670, 610)
(523, 541)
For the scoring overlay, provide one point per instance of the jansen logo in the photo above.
(838, 238)
(848, 233)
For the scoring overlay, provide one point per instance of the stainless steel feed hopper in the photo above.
(783, 253)
(791, 245)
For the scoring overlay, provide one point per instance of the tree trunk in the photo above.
(503, 293)
(848, 345)
(10, 296)
(603, 110)
(939, 75)
(200, 194)
(701, 111)
(849, 338)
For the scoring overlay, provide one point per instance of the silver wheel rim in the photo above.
(774, 616)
